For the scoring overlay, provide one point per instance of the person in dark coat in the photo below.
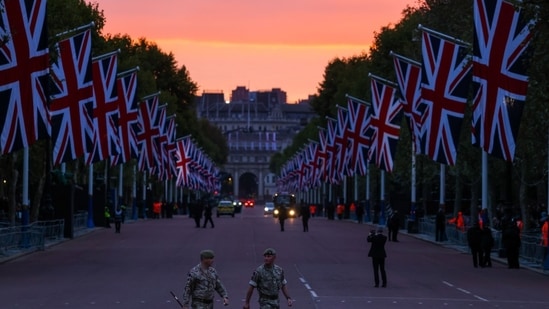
(474, 238)
(208, 215)
(486, 244)
(510, 238)
(378, 255)
(197, 212)
(305, 214)
(360, 211)
(282, 215)
(440, 225)
(393, 225)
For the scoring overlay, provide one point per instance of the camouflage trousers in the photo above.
(200, 305)
(269, 303)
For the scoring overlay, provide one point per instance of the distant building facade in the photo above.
(256, 125)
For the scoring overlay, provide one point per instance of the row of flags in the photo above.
(432, 95)
(84, 104)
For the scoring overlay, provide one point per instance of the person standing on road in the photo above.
(197, 213)
(202, 282)
(474, 240)
(269, 280)
(282, 215)
(305, 214)
(378, 255)
(208, 215)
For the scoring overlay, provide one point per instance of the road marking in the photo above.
(465, 291)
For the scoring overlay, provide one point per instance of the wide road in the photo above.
(327, 268)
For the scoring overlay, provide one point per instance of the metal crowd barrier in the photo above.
(531, 250)
(27, 238)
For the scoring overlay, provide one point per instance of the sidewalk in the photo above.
(523, 262)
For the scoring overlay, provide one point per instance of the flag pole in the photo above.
(78, 29)
(383, 80)
(444, 36)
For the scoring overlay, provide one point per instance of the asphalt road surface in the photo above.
(326, 268)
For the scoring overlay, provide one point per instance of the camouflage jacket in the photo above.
(202, 284)
(268, 280)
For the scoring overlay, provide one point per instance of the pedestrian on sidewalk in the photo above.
(440, 222)
(487, 243)
(107, 214)
(202, 283)
(510, 238)
(474, 240)
(378, 255)
(393, 226)
(269, 280)
(118, 213)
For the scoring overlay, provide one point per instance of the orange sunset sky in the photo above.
(255, 43)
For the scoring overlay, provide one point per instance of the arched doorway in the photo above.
(248, 185)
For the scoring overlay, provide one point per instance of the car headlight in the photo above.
(292, 212)
(234, 203)
(276, 212)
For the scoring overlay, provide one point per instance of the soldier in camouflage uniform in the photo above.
(269, 280)
(202, 282)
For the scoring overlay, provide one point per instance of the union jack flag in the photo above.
(183, 155)
(316, 163)
(166, 145)
(72, 98)
(24, 62)
(331, 151)
(323, 154)
(343, 142)
(501, 39)
(105, 109)
(127, 117)
(384, 122)
(148, 132)
(359, 135)
(408, 74)
(444, 86)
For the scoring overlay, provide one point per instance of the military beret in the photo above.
(207, 254)
(269, 251)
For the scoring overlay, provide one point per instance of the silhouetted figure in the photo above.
(305, 214)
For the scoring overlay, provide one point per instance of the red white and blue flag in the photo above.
(24, 63)
(183, 155)
(105, 109)
(148, 132)
(446, 77)
(501, 40)
(384, 122)
(71, 105)
(359, 135)
(408, 75)
(127, 117)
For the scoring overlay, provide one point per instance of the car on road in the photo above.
(225, 208)
(237, 206)
(269, 208)
(291, 212)
(249, 203)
